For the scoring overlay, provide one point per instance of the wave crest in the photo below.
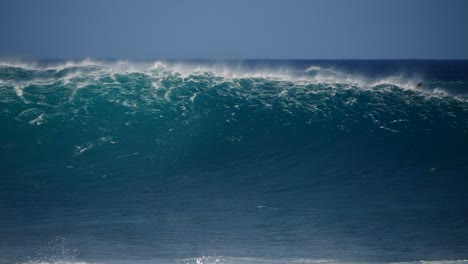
(48, 73)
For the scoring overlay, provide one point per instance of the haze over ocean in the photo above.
(235, 132)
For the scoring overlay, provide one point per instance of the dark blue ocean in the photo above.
(235, 162)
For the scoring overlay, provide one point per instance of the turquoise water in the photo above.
(233, 162)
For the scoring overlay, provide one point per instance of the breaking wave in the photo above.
(280, 161)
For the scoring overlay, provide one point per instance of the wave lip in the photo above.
(84, 72)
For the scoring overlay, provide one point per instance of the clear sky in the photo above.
(236, 29)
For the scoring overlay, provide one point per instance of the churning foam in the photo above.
(85, 72)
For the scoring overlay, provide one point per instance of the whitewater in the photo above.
(260, 161)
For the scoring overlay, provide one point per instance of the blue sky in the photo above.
(241, 29)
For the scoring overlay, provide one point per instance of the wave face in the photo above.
(258, 161)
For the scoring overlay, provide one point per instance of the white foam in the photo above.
(80, 149)
(90, 71)
(38, 120)
(185, 70)
(313, 69)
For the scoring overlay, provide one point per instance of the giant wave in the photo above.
(257, 160)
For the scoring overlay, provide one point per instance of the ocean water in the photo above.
(238, 162)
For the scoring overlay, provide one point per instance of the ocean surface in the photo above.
(235, 162)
